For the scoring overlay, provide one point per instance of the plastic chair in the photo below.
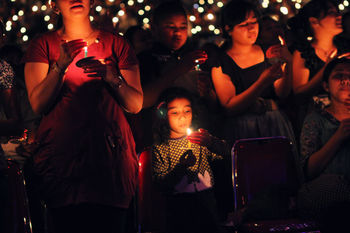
(151, 203)
(264, 173)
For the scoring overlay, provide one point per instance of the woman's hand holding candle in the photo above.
(68, 51)
(279, 53)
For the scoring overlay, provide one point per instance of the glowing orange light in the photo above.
(281, 40)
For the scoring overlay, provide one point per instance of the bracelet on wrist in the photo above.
(118, 82)
(58, 69)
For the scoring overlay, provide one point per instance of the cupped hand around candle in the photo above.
(100, 68)
(69, 50)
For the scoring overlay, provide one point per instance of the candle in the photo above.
(197, 67)
(281, 40)
(85, 51)
(189, 131)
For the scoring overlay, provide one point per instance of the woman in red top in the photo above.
(86, 158)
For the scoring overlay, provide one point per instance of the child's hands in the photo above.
(188, 159)
(201, 137)
(215, 145)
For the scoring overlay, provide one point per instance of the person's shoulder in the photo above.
(43, 40)
(145, 53)
(316, 116)
(159, 147)
(257, 48)
(107, 35)
(3, 62)
(46, 36)
(5, 65)
(148, 55)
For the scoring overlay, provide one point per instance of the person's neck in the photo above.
(324, 41)
(237, 49)
(339, 110)
(73, 30)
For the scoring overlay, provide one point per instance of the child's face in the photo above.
(179, 117)
(339, 84)
(246, 32)
(172, 31)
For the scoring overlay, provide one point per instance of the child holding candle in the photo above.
(170, 62)
(183, 173)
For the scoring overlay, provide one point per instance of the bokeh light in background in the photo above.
(24, 19)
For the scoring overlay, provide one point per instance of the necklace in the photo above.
(324, 53)
(87, 38)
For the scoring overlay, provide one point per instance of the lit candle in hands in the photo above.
(85, 51)
(281, 40)
(189, 131)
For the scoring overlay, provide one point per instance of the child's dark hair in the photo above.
(167, 9)
(161, 128)
(233, 13)
(329, 68)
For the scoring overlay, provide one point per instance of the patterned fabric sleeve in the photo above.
(160, 165)
(6, 76)
(310, 140)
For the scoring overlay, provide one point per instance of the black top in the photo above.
(244, 78)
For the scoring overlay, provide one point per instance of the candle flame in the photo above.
(189, 131)
(281, 39)
(85, 51)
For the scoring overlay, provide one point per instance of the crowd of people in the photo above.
(81, 103)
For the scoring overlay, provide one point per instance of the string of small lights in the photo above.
(23, 19)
